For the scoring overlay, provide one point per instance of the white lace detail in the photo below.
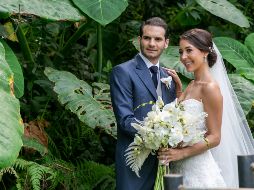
(200, 171)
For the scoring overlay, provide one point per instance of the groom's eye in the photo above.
(146, 37)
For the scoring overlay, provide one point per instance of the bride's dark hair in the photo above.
(202, 40)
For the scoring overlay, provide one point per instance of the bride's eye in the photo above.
(188, 50)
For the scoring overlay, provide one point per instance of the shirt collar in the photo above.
(147, 62)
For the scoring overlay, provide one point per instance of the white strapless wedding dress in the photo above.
(200, 171)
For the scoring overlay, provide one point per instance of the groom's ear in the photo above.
(166, 44)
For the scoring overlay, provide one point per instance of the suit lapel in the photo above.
(145, 76)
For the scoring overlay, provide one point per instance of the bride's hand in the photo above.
(176, 78)
(170, 154)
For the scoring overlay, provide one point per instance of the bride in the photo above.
(211, 163)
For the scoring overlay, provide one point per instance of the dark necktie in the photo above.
(154, 70)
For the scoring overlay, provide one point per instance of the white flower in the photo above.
(164, 126)
(167, 81)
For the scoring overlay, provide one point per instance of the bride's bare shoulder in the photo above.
(211, 91)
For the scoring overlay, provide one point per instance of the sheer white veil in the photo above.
(236, 137)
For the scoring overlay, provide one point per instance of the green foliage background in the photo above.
(62, 53)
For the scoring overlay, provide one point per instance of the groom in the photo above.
(132, 83)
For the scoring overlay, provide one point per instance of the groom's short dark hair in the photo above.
(155, 21)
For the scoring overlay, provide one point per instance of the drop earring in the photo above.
(205, 59)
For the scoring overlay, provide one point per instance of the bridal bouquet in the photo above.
(164, 126)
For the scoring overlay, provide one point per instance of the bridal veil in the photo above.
(236, 137)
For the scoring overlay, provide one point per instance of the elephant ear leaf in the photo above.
(16, 69)
(249, 42)
(47, 9)
(77, 97)
(225, 10)
(102, 11)
(234, 52)
(244, 91)
(11, 129)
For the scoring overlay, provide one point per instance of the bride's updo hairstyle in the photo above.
(202, 40)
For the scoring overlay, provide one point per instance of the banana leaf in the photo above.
(77, 96)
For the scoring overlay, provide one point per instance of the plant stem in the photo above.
(25, 47)
(99, 52)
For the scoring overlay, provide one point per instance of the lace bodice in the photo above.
(200, 171)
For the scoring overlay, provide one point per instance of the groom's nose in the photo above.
(152, 42)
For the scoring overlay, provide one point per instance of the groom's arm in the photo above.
(122, 101)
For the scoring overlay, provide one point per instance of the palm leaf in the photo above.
(77, 97)
(225, 10)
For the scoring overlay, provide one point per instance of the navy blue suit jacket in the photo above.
(131, 85)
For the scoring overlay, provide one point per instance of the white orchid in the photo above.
(164, 125)
(167, 81)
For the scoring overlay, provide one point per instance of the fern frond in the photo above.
(92, 175)
(37, 172)
(136, 156)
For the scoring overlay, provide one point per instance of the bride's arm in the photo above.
(213, 105)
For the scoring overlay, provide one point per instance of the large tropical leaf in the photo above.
(234, 52)
(6, 75)
(11, 126)
(246, 72)
(249, 42)
(225, 10)
(48, 9)
(244, 91)
(77, 97)
(11, 129)
(102, 11)
(16, 69)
